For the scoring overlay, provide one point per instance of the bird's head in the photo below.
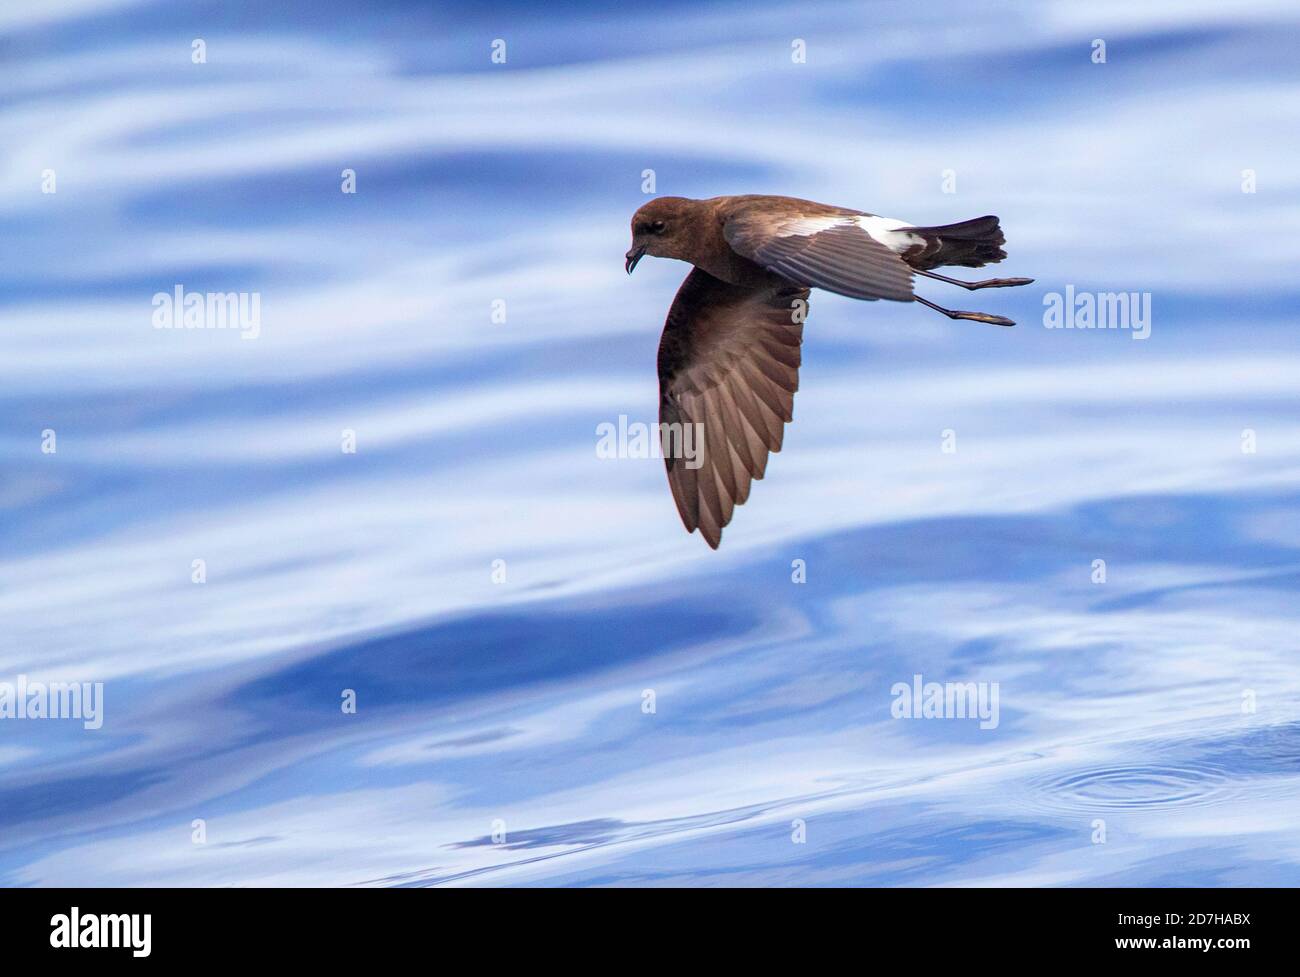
(660, 228)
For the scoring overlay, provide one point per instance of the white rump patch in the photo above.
(885, 230)
(882, 230)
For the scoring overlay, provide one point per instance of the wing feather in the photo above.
(729, 362)
(827, 249)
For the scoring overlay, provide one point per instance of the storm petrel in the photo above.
(729, 354)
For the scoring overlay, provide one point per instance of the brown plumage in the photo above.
(730, 352)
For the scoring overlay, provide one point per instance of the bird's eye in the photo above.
(657, 227)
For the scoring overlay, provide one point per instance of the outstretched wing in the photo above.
(728, 370)
(824, 248)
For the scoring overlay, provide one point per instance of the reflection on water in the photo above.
(552, 683)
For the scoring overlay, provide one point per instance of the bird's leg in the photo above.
(972, 286)
(993, 320)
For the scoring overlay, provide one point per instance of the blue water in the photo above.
(613, 703)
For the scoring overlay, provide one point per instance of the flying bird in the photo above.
(729, 355)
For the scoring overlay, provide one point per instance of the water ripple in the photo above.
(1133, 788)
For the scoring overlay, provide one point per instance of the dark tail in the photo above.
(970, 244)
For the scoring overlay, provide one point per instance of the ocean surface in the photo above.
(469, 651)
